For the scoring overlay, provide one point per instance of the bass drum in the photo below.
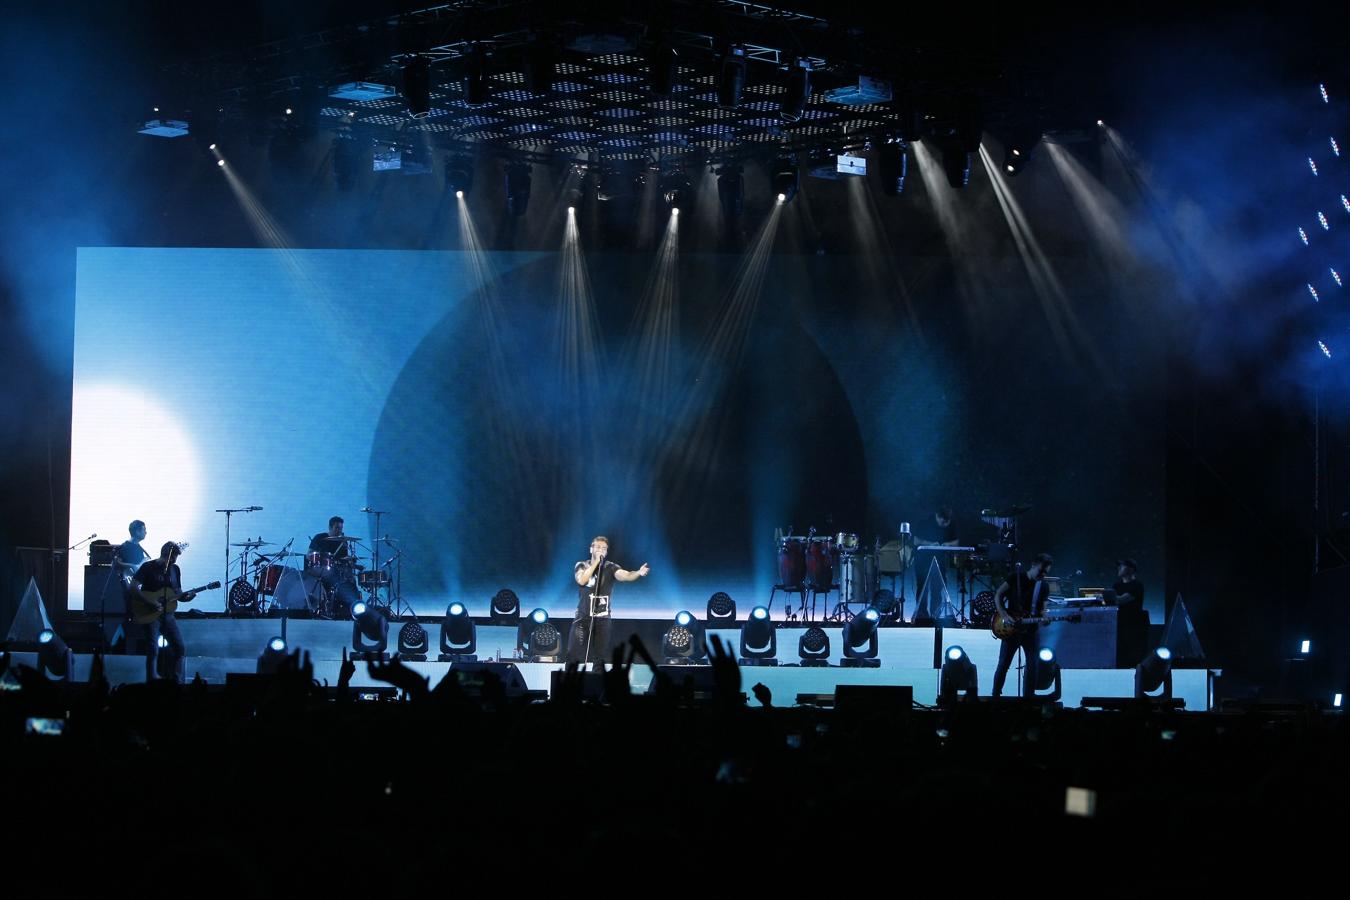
(792, 562)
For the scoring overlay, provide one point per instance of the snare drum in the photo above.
(845, 542)
(376, 579)
(820, 557)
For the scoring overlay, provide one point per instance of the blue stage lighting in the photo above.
(1312, 165)
(358, 609)
(759, 639)
(683, 618)
(684, 641)
(1312, 290)
(45, 636)
(1326, 351)
(370, 629)
(1336, 700)
(272, 657)
(276, 645)
(459, 635)
(1322, 220)
(1322, 89)
(860, 640)
(1335, 147)
(1046, 655)
(54, 657)
(1163, 653)
(539, 616)
(1045, 676)
(1336, 276)
(1303, 235)
(1305, 647)
(1154, 674)
(1345, 202)
(958, 676)
(456, 609)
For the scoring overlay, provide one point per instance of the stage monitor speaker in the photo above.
(104, 598)
(474, 676)
(897, 700)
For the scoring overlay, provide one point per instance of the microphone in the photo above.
(364, 509)
(252, 509)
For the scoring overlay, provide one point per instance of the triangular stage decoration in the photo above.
(934, 601)
(31, 618)
(1179, 633)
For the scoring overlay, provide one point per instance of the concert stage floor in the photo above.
(908, 656)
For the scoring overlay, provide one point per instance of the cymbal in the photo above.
(251, 544)
(343, 537)
(1009, 513)
(280, 554)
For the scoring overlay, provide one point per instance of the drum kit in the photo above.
(326, 584)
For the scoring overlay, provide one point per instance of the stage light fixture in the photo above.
(540, 66)
(663, 66)
(959, 676)
(54, 657)
(731, 78)
(731, 191)
(413, 641)
(504, 608)
(459, 635)
(538, 616)
(475, 76)
(721, 608)
(517, 188)
(220, 163)
(273, 655)
(370, 629)
(683, 642)
(797, 91)
(1154, 673)
(1326, 351)
(544, 642)
(1336, 700)
(459, 174)
(956, 163)
(860, 640)
(1046, 676)
(813, 647)
(759, 639)
(894, 166)
(676, 190)
(1305, 647)
(786, 177)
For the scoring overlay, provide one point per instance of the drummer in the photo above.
(331, 541)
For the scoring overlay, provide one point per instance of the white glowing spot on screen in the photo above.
(1335, 147)
(1322, 89)
(129, 459)
(1336, 276)
(1326, 351)
(1303, 235)
(1312, 165)
(1312, 290)
(1322, 220)
(1080, 802)
(1345, 202)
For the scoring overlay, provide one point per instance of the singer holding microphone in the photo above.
(595, 581)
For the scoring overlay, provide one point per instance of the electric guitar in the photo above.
(1006, 626)
(147, 606)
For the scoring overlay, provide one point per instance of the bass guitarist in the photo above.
(1022, 597)
(156, 575)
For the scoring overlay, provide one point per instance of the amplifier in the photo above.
(104, 598)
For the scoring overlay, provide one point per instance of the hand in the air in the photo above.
(642, 572)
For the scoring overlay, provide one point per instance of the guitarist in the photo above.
(156, 575)
(1022, 596)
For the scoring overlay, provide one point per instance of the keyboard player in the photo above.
(945, 535)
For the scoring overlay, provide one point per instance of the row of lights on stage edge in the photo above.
(684, 643)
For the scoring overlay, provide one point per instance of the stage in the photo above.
(908, 656)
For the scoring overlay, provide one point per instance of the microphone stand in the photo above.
(590, 626)
(225, 585)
